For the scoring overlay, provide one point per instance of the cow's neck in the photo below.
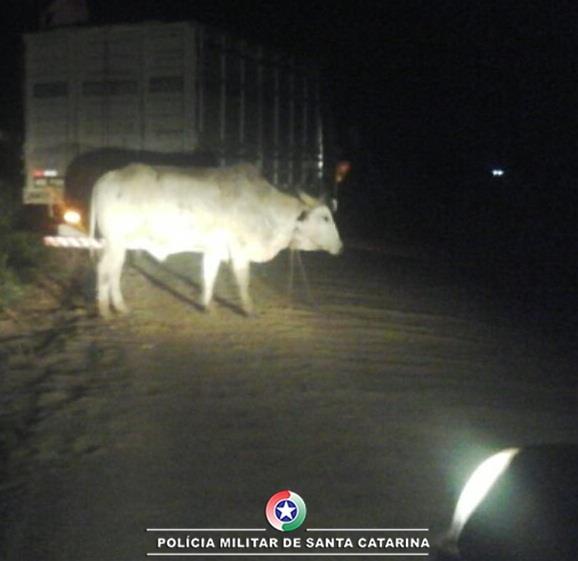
(287, 220)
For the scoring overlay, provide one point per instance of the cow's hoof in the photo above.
(249, 312)
(104, 311)
(207, 308)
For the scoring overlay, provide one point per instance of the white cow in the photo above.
(230, 214)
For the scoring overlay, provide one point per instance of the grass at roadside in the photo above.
(23, 258)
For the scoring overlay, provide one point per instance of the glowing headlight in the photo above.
(72, 217)
(478, 486)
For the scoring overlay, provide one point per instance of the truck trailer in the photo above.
(97, 98)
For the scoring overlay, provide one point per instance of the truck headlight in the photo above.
(72, 217)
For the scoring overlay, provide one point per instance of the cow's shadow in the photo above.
(146, 265)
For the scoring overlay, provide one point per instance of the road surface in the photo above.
(374, 405)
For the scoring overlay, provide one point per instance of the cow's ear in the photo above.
(304, 214)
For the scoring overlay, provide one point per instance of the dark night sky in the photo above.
(422, 87)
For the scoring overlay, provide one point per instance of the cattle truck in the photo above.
(97, 98)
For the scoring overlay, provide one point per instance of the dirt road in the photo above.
(374, 406)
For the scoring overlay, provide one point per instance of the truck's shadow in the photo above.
(87, 168)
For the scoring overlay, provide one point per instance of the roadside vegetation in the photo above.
(21, 253)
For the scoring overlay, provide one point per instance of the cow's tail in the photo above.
(92, 220)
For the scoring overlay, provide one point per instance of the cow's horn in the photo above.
(307, 199)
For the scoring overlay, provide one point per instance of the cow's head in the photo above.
(316, 229)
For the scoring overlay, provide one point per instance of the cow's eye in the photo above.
(326, 218)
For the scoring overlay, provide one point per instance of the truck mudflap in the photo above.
(76, 243)
(69, 236)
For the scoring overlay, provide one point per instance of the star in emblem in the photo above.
(286, 510)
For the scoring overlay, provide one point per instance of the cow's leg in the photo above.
(241, 270)
(211, 264)
(103, 283)
(117, 262)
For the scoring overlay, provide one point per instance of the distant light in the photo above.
(72, 217)
(478, 486)
(497, 172)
